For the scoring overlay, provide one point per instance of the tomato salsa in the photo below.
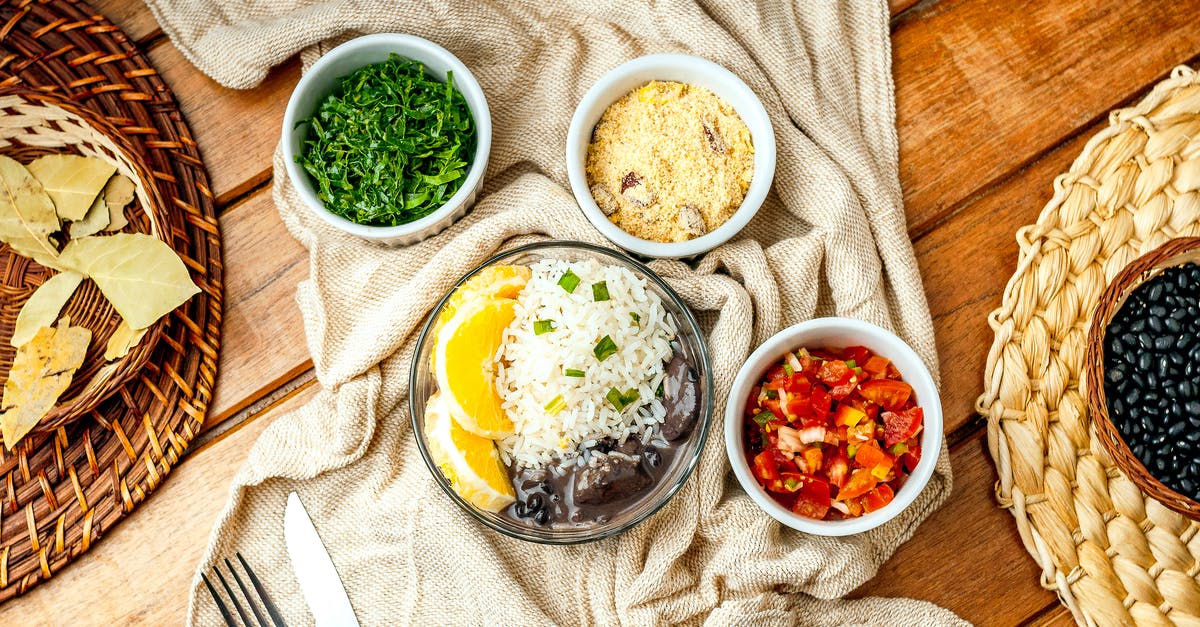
(832, 433)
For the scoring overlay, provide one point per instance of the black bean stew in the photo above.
(1152, 376)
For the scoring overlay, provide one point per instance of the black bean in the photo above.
(1144, 361)
(1193, 408)
(536, 502)
(1163, 342)
(1137, 326)
(1176, 428)
(653, 457)
(1156, 324)
(520, 510)
(1156, 291)
(541, 516)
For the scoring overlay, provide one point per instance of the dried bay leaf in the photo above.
(139, 274)
(41, 372)
(72, 181)
(42, 308)
(118, 193)
(27, 216)
(122, 341)
(93, 222)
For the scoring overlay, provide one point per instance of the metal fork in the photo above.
(257, 586)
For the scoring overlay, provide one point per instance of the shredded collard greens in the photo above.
(390, 145)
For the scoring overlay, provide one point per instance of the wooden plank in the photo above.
(262, 341)
(967, 556)
(237, 131)
(982, 86)
(133, 17)
(1056, 615)
(140, 573)
(965, 264)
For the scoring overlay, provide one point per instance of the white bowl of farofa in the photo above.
(701, 178)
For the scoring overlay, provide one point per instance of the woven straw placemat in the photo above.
(62, 491)
(1113, 555)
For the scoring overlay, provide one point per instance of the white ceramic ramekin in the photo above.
(684, 69)
(838, 333)
(321, 80)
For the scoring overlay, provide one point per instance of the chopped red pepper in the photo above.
(889, 394)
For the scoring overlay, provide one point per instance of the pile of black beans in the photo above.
(1152, 376)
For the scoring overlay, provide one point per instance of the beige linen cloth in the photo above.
(829, 240)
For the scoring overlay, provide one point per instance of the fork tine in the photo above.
(232, 597)
(246, 593)
(220, 604)
(262, 593)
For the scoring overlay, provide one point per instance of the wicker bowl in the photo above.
(1174, 253)
(33, 124)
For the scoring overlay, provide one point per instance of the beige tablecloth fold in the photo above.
(829, 240)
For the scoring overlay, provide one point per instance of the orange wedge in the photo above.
(494, 281)
(470, 463)
(464, 367)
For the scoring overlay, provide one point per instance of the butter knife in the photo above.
(319, 581)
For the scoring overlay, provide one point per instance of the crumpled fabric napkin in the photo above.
(830, 239)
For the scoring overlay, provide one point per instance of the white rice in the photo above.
(530, 367)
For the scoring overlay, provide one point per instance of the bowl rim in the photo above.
(567, 536)
(417, 49)
(600, 96)
(1174, 252)
(790, 339)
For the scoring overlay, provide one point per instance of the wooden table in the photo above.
(994, 99)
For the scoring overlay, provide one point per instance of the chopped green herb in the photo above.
(850, 363)
(791, 484)
(599, 291)
(569, 282)
(542, 326)
(659, 392)
(390, 145)
(605, 348)
(556, 405)
(763, 417)
(898, 448)
(619, 400)
(637, 320)
(571, 372)
(787, 369)
(772, 394)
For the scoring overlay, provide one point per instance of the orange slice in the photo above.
(464, 367)
(495, 281)
(470, 463)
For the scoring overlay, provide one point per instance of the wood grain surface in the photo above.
(993, 100)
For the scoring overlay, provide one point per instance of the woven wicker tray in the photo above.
(63, 490)
(1113, 555)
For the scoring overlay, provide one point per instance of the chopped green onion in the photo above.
(857, 371)
(605, 348)
(543, 326)
(556, 405)
(599, 291)
(791, 484)
(659, 391)
(637, 320)
(787, 369)
(569, 282)
(571, 372)
(772, 394)
(763, 417)
(621, 401)
(851, 450)
(898, 448)
(615, 398)
(850, 363)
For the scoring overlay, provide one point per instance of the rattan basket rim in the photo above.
(1175, 252)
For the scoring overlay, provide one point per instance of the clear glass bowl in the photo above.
(687, 450)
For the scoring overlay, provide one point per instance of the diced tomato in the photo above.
(892, 373)
(776, 373)
(878, 498)
(910, 459)
(813, 458)
(752, 401)
(891, 395)
(813, 499)
(860, 354)
(837, 468)
(876, 366)
(820, 402)
(870, 456)
(798, 384)
(772, 405)
(800, 405)
(861, 481)
(900, 426)
(766, 469)
(843, 390)
(834, 372)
